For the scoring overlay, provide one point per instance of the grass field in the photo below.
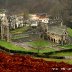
(66, 46)
(19, 30)
(42, 46)
(69, 30)
(19, 37)
(40, 43)
(10, 46)
(45, 50)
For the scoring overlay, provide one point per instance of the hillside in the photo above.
(34, 5)
(60, 8)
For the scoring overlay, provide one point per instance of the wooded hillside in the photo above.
(62, 8)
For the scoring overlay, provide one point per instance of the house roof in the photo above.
(57, 30)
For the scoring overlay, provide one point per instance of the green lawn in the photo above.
(66, 46)
(40, 43)
(10, 46)
(45, 50)
(19, 30)
(19, 37)
(42, 46)
(69, 30)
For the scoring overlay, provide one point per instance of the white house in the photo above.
(44, 20)
(33, 17)
(16, 21)
(34, 24)
(40, 18)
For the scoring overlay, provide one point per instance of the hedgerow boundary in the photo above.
(43, 55)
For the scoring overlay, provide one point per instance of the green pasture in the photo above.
(19, 30)
(66, 46)
(42, 46)
(10, 46)
(69, 30)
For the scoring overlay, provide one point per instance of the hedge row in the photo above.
(45, 55)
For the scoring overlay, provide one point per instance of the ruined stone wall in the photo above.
(4, 28)
(54, 38)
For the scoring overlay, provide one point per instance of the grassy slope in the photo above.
(19, 30)
(19, 37)
(43, 45)
(45, 50)
(10, 46)
(69, 30)
(66, 46)
(14, 47)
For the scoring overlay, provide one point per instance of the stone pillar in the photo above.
(2, 32)
(5, 29)
(8, 36)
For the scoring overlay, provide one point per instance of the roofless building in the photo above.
(4, 26)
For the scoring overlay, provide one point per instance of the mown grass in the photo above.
(40, 43)
(45, 50)
(69, 30)
(19, 30)
(42, 46)
(67, 46)
(10, 46)
(19, 37)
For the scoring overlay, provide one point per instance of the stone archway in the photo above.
(54, 40)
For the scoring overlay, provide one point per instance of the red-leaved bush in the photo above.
(20, 63)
